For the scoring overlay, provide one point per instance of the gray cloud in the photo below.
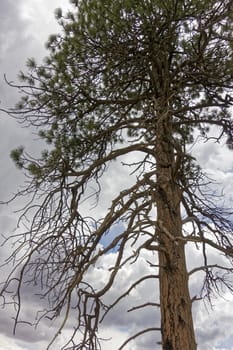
(23, 31)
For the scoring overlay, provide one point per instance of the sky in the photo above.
(24, 29)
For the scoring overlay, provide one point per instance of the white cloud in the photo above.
(214, 327)
(9, 344)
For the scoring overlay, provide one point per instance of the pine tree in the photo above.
(127, 77)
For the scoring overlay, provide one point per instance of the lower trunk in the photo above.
(175, 304)
(176, 316)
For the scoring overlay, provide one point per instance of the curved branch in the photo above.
(152, 329)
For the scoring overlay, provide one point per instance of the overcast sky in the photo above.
(24, 28)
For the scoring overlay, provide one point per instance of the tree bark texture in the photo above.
(176, 314)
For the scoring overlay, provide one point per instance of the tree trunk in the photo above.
(176, 316)
(175, 304)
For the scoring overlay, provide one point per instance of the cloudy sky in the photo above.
(24, 28)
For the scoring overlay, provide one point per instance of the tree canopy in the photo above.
(124, 77)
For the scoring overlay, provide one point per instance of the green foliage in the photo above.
(117, 60)
(31, 63)
(35, 170)
(58, 13)
(16, 156)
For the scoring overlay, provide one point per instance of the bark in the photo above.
(176, 314)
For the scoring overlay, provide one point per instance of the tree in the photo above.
(126, 77)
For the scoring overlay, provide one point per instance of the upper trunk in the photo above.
(176, 315)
